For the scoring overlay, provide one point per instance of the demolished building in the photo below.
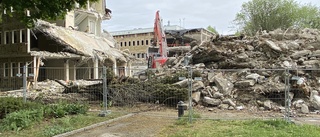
(69, 44)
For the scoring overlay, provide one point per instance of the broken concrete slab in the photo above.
(299, 54)
(196, 97)
(224, 85)
(211, 102)
(229, 102)
(245, 83)
(304, 109)
(273, 46)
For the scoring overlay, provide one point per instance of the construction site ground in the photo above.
(153, 122)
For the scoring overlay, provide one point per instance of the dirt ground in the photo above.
(151, 123)
(135, 126)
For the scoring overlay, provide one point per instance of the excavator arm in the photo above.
(158, 55)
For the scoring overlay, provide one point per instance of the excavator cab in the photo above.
(155, 59)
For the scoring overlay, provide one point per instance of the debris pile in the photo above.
(254, 72)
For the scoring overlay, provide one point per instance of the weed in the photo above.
(21, 119)
(11, 104)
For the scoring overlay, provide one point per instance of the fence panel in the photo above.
(212, 93)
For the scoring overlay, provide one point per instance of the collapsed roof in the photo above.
(81, 43)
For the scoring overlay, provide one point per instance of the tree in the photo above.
(213, 30)
(39, 9)
(268, 15)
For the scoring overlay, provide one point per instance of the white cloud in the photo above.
(130, 14)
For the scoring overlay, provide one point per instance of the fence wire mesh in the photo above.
(211, 93)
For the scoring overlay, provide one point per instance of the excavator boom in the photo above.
(157, 55)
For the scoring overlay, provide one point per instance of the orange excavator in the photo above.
(157, 55)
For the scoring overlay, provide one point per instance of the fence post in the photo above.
(287, 97)
(190, 93)
(105, 92)
(24, 75)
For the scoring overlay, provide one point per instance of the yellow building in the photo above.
(137, 41)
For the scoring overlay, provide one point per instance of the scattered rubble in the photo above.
(237, 73)
(253, 71)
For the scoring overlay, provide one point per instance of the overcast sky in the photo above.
(131, 14)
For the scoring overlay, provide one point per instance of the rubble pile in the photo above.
(54, 90)
(254, 72)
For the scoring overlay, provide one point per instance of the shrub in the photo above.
(62, 109)
(73, 109)
(61, 126)
(11, 104)
(21, 119)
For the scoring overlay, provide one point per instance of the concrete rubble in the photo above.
(242, 71)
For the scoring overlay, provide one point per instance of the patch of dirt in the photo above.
(138, 125)
(151, 122)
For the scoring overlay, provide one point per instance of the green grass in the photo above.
(56, 126)
(250, 128)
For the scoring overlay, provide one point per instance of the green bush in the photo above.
(62, 109)
(19, 115)
(74, 109)
(21, 119)
(61, 126)
(54, 111)
(11, 104)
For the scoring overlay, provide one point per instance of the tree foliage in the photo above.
(273, 14)
(39, 9)
(213, 30)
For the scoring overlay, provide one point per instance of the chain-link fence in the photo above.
(212, 93)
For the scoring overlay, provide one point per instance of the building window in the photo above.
(133, 43)
(134, 55)
(142, 55)
(6, 37)
(23, 35)
(129, 43)
(30, 69)
(20, 66)
(147, 42)
(125, 43)
(14, 69)
(141, 42)
(138, 43)
(120, 44)
(138, 55)
(16, 36)
(0, 38)
(92, 27)
(5, 69)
